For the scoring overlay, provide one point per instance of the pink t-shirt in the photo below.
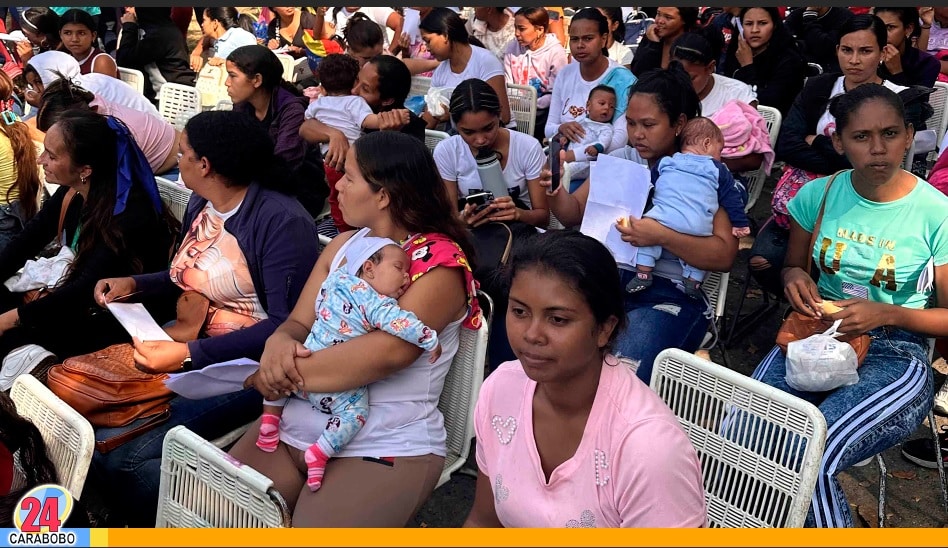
(154, 135)
(633, 468)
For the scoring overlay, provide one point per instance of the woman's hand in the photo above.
(294, 51)
(927, 15)
(159, 356)
(642, 232)
(860, 315)
(278, 374)
(394, 120)
(809, 139)
(196, 62)
(892, 59)
(24, 50)
(336, 153)
(501, 209)
(651, 34)
(215, 61)
(273, 43)
(130, 16)
(802, 292)
(744, 54)
(572, 131)
(112, 288)
(9, 320)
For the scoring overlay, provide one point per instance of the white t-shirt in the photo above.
(726, 89)
(231, 40)
(482, 65)
(115, 91)
(378, 14)
(621, 53)
(570, 95)
(827, 123)
(525, 159)
(346, 113)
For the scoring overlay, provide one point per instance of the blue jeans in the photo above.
(892, 397)
(659, 317)
(129, 474)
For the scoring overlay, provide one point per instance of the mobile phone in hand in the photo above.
(555, 162)
(480, 200)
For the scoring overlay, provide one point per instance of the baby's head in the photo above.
(337, 74)
(601, 104)
(702, 136)
(386, 270)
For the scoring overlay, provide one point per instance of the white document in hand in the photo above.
(411, 22)
(137, 321)
(617, 188)
(213, 380)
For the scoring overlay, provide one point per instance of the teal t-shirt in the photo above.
(63, 9)
(874, 250)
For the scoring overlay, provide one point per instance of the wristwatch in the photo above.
(186, 363)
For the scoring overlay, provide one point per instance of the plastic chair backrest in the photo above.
(523, 107)
(133, 77)
(174, 195)
(756, 179)
(759, 447)
(177, 103)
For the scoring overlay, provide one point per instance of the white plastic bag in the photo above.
(41, 273)
(437, 100)
(820, 362)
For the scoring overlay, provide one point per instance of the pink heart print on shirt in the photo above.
(500, 492)
(504, 429)
(587, 520)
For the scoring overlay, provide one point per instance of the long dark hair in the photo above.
(20, 435)
(362, 33)
(615, 15)
(418, 198)
(868, 22)
(227, 17)
(584, 263)
(781, 37)
(45, 22)
(256, 59)
(447, 23)
(473, 95)
(394, 80)
(59, 97)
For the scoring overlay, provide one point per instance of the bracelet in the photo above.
(926, 28)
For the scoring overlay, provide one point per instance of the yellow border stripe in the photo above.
(523, 537)
(99, 537)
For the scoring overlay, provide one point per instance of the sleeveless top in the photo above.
(85, 66)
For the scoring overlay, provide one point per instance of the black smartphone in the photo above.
(480, 200)
(555, 162)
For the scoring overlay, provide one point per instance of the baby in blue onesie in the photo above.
(355, 299)
(687, 195)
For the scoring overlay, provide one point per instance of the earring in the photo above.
(82, 179)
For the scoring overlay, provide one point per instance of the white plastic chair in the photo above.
(289, 64)
(174, 195)
(202, 486)
(433, 137)
(461, 387)
(756, 179)
(133, 77)
(419, 85)
(759, 447)
(936, 124)
(68, 435)
(301, 69)
(177, 103)
(210, 84)
(523, 107)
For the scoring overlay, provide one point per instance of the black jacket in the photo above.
(777, 75)
(809, 106)
(648, 55)
(162, 45)
(819, 36)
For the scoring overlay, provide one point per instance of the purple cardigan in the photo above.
(283, 121)
(278, 239)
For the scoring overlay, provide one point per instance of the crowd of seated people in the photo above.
(342, 154)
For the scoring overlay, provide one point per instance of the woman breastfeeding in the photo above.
(384, 475)
(662, 316)
(878, 237)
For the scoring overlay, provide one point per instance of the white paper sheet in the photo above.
(411, 22)
(618, 188)
(213, 380)
(137, 321)
(15, 36)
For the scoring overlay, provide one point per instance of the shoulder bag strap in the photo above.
(819, 221)
(67, 199)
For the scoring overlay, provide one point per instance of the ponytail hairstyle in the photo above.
(19, 435)
(44, 23)
(27, 182)
(256, 59)
(593, 14)
(227, 17)
(536, 16)
(614, 15)
(473, 95)
(362, 33)
(59, 97)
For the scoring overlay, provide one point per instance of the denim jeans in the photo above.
(659, 317)
(129, 474)
(892, 397)
(771, 244)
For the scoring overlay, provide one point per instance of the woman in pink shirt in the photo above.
(567, 436)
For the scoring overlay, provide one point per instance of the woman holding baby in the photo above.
(661, 316)
(384, 475)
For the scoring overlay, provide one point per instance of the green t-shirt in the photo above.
(874, 250)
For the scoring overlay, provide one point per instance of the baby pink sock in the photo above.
(269, 437)
(316, 466)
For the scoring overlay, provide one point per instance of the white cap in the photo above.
(359, 251)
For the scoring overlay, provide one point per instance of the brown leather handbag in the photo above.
(797, 326)
(109, 390)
